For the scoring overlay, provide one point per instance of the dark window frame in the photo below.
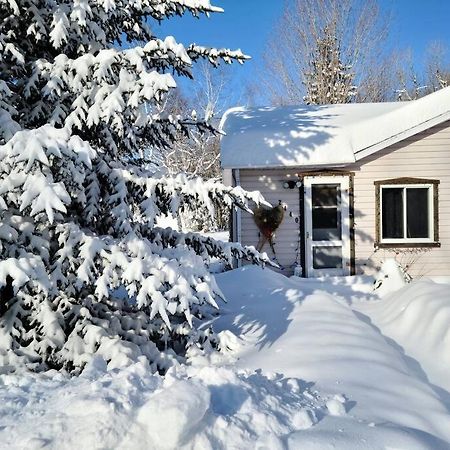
(403, 243)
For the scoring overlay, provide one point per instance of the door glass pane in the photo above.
(417, 212)
(325, 194)
(327, 257)
(392, 211)
(326, 214)
(326, 225)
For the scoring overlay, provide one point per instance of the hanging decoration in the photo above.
(268, 220)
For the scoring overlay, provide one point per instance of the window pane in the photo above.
(392, 213)
(326, 214)
(326, 224)
(325, 194)
(327, 257)
(417, 212)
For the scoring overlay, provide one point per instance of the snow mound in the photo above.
(362, 437)
(131, 408)
(417, 318)
(305, 329)
(390, 278)
(180, 407)
(319, 368)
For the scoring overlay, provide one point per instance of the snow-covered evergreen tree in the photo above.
(84, 270)
(328, 79)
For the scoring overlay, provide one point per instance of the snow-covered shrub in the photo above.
(83, 269)
(391, 277)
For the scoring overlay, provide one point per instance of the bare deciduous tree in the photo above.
(438, 66)
(199, 153)
(355, 30)
(413, 83)
(410, 84)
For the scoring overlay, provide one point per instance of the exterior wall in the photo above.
(270, 184)
(425, 155)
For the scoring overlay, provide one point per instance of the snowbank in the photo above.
(203, 407)
(307, 329)
(417, 318)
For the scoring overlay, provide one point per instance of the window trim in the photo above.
(433, 240)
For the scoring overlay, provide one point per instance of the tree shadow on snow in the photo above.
(262, 307)
(227, 399)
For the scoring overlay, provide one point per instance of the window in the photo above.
(407, 212)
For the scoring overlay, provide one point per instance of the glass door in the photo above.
(327, 231)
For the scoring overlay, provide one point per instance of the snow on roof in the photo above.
(325, 135)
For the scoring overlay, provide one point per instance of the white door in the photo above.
(327, 225)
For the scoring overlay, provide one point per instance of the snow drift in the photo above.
(417, 318)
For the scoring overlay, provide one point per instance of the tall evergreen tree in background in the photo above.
(84, 270)
(328, 80)
(316, 42)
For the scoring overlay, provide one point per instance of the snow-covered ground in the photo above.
(309, 364)
(389, 358)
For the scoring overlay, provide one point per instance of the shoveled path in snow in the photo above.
(329, 335)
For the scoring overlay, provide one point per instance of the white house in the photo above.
(361, 182)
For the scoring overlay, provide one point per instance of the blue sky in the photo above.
(247, 24)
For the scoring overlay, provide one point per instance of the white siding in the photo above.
(425, 155)
(270, 184)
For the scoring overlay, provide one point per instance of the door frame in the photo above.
(345, 182)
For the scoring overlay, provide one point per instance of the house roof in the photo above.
(328, 135)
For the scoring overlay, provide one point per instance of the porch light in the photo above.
(289, 184)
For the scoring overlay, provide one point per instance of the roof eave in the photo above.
(284, 166)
